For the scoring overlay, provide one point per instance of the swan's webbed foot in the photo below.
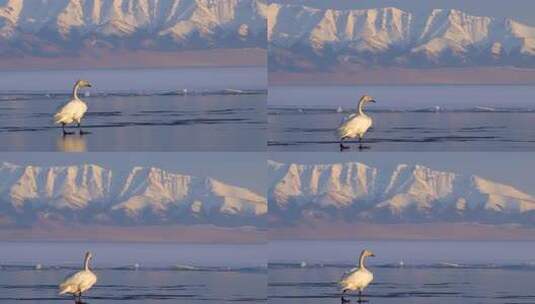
(65, 132)
(343, 148)
(81, 131)
(363, 147)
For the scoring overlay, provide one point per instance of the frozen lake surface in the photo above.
(166, 273)
(441, 118)
(432, 272)
(205, 109)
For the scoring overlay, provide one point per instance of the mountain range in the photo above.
(302, 37)
(69, 27)
(356, 193)
(90, 194)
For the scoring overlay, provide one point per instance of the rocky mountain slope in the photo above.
(90, 194)
(390, 36)
(56, 27)
(355, 192)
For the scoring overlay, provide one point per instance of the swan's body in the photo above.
(356, 125)
(358, 278)
(79, 282)
(74, 110)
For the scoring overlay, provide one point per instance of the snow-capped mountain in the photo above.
(93, 194)
(390, 36)
(60, 26)
(402, 194)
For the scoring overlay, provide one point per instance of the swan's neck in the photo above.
(86, 263)
(361, 107)
(361, 262)
(75, 91)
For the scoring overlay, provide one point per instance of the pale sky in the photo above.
(521, 10)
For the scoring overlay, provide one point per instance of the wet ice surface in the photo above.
(166, 273)
(188, 109)
(405, 285)
(138, 286)
(432, 272)
(139, 123)
(309, 129)
(406, 118)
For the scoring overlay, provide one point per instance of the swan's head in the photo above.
(366, 99)
(83, 84)
(367, 253)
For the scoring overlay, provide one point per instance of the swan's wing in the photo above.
(349, 117)
(70, 282)
(349, 272)
(79, 280)
(67, 111)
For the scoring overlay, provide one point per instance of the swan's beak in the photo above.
(89, 85)
(373, 100)
(372, 255)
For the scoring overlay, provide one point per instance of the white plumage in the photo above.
(79, 282)
(74, 110)
(355, 125)
(358, 278)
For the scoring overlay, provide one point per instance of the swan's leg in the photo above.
(360, 297)
(80, 298)
(82, 132)
(342, 147)
(361, 146)
(344, 300)
(65, 132)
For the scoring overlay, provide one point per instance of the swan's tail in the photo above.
(58, 118)
(63, 289)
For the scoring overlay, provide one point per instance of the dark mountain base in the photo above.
(97, 59)
(436, 231)
(355, 75)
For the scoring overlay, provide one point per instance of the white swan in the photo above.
(357, 278)
(79, 282)
(355, 125)
(74, 110)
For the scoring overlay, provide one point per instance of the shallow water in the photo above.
(166, 273)
(313, 129)
(432, 272)
(406, 118)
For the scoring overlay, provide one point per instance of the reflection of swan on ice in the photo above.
(74, 110)
(71, 143)
(80, 281)
(357, 278)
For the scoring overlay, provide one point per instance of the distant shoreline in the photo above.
(194, 234)
(126, 59)
(406, 76)
(341, 231)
